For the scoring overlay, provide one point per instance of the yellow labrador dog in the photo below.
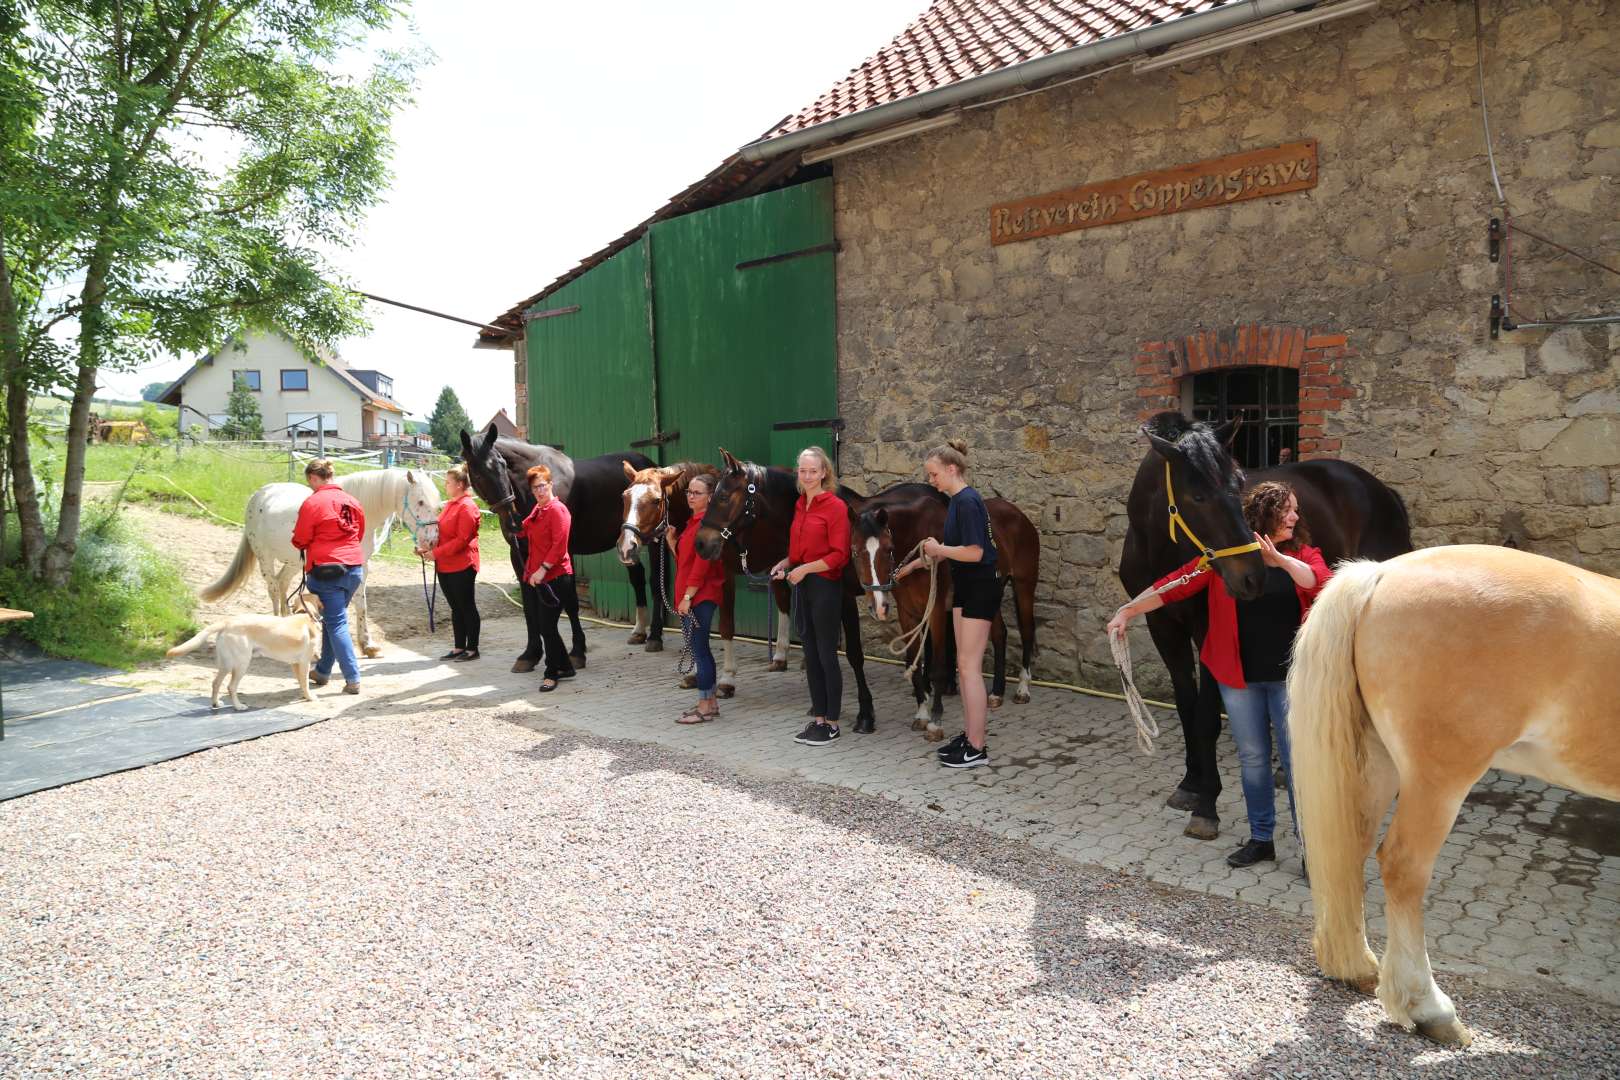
(293, 639)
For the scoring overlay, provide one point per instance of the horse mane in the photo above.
(375, 489)
(1197, 440)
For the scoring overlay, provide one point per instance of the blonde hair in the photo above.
(458, 473)
(952, 452)
(829, 480)
(318, 467)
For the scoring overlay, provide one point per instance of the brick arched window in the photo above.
(1254, 361)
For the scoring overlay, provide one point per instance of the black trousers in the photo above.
(464, 621)
(820, 618)
(549, 601)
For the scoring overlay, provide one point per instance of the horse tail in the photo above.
(1328, 726)
(235, 576)
(195, 643)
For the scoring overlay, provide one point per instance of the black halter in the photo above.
(745, 521)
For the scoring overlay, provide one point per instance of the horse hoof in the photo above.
(578, 660)
(521, 666)
(1445, 1032)
(1202, 828)
(1183, 800)
(865, 725)
(689, 683)
(1020, 698)
(777, 665)
(653, 645)
(723, 690)
(371, 652)
(993, 701)
(919, 725)
(934, 734)
(637, 638)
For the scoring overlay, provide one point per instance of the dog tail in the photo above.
(235, 576)
(197, 642)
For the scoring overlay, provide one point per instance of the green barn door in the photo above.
(590, 374)
(745, 324)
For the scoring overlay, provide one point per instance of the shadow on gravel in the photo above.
(1117, 940)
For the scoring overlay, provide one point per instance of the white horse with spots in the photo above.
(386, 495)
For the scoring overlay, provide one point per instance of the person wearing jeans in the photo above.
(818, 550)
(699, 586)
(328, 531)
(1248, 645)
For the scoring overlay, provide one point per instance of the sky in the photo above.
(541, 132)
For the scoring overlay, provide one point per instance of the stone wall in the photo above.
(1043, 353)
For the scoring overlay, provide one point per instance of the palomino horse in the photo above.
(752, 508)
(592, 489)
(656, 500)
(889, 525)
(1411, 678)
(267, 527)
(1190, 470)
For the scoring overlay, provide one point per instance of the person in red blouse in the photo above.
(699, 583)
(549, 570)
(455, 560)
(818, 550)
(1248, 645)
(329, 530)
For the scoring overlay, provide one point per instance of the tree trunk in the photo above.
(14, 374)
(57, 565)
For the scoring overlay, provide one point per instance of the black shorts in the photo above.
(979, 596)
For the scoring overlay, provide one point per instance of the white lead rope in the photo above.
(1147, 728)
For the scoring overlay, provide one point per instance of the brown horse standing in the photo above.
(885, 528)
(1350, 512)
(655, 500)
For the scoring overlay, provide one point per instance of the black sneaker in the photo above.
(960, 740)
(1252, 852)
(818, 735)
(965, 756)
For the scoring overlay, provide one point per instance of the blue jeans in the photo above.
(703, 616)
(335, 642)
(1258, 713)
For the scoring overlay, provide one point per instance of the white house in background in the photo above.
(300, 400)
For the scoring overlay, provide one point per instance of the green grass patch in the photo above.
(125, 603)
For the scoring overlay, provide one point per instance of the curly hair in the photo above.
(1263, 507)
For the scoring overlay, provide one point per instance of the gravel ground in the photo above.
(459, 895)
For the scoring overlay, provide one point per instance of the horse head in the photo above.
(489, 476)
(421, 505)
(646, 509)
(872, 551)
(1204, 498)
(730, 506)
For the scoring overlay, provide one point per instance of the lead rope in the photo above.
(903, 642)
(1147, 728)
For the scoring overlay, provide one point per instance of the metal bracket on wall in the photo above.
(657, 440)
(1494, 234)
(1498, 317)
(819, 249)
(551, 314)
(836, 423)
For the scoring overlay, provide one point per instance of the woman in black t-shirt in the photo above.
(976, 594)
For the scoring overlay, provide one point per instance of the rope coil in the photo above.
(903, 642)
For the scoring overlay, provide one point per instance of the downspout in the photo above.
(1018, 76)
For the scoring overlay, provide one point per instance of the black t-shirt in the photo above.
(967, 523)
(1266, 628)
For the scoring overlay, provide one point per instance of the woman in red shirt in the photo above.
(455, 560)
(549, 571)
(818, 550)
(1248, 645)
(699, 583)
(330, 531)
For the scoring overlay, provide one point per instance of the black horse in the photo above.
(752, 507)
(593, 491)
(1351, 514)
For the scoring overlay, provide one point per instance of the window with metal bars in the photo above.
(1267, 398)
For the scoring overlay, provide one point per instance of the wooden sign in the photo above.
(1254, 174)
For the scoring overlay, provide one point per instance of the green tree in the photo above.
(447, 422)
(242, 419)
(173, 170)
(153, 390)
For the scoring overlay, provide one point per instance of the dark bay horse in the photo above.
(1350, 512)
(655, 500)
(592, 489)
(752, 510)
(885, 528)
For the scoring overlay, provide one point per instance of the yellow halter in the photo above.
(1177, 521)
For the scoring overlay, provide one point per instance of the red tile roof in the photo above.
(961, 39)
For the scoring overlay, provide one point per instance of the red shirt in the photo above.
(330, 525)
(820, 531)
(546, 528)
(1220, 652)
(692, 571)
(457, 548)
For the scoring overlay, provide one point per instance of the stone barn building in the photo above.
(1055, 217)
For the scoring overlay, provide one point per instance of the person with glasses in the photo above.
(699, 583)
(549, 571)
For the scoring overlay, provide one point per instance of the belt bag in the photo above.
(328, 571)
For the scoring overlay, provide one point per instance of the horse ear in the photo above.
(410, 477)
(629, 471)
(1227, 432)
(489, 441)
(466, 442)
(1167, 449)
(732, 464)
(882, 517)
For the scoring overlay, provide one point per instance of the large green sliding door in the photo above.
(742, 342)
